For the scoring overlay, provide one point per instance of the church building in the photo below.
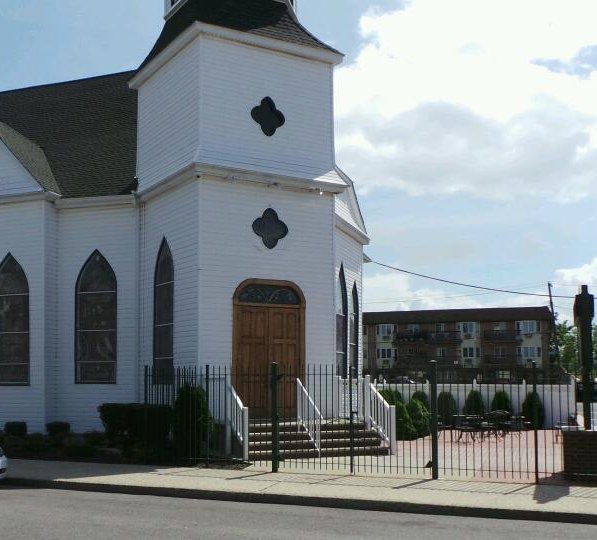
(189, 212)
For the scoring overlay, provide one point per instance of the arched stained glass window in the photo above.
(354, 331)
(96, 323)
(341, 325)
(163, 315)
(14, 323)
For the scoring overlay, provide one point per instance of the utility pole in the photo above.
(584, 311)
(555, 340)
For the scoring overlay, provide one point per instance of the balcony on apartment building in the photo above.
(448, 360)
(503, 360)
(454, 336)
(411, 335)
(502, 336)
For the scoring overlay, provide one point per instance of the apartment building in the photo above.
(492, 344)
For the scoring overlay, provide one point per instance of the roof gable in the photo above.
(265, 18)
(31, 156)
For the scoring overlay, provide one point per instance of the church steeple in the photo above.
(172, 6)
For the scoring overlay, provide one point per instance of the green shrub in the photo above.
(192, 422)
(16, 429)
(36, 443)
(405, 430)
(58, 430)
(474, 404)
(419, 416)
(76, 446)
(533, 410)
(151, 424)
(446, 408)
(95, 438)
(129, 423)
(116, 418)
(501, 402)
(391, 396)
(423, 398)
(12, 446)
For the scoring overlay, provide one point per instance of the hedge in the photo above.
(533, 410)
(501, 402)
(419, 416)
(16, 429)
(423, 398)
(446, 408)
(474, 404)
(391, 396)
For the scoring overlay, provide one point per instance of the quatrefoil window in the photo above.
(270, 228)
(268, 117)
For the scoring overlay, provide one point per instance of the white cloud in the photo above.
(584, 274)
(448, 97)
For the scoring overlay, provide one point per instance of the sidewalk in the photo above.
(573, 504)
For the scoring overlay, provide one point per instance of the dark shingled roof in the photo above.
(266, 18)
(458, 315)
(87, 130)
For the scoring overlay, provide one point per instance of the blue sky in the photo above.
(469, 127)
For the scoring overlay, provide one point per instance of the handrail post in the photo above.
(275, 418)
(433, 421)
(367, 401)
(245, 421)
(392, 430)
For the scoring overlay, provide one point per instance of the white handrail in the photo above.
(237, 417)
(379, 415)
(308, 415)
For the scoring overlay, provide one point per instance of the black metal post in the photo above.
(350, 407)
(535, 421)
(275, 418)
(584, 311)
(433, 420)
(207, 417)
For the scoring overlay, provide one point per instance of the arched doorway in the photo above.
(269, 326)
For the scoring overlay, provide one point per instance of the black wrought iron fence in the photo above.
(314, 418)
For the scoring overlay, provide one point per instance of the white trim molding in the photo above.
(351, 231)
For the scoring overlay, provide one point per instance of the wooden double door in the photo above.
(268, 327)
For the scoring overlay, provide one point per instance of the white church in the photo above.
(186, 213)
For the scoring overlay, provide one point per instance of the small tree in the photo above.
(474, 403)
(423, 398)
(419, 416)
(391, 396)
(405, 430)
(533, 410)
(501, 402)
(191, 422)
(446, 408)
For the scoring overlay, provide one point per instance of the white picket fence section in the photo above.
(308, 415)
(558, 399)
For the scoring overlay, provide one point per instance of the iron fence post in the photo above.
(433, 421)
(535, 420)
(207, 417)
(275, 418)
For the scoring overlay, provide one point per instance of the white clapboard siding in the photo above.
(234, 79)
(169, 118)
(15, 179)
(22, 235)
(112, 231)
(230, 252)
(173, 216)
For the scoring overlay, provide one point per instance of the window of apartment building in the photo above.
(469, 328)
(440, 352)
(385, 330)
(471, 352)
(414, 351)
(413, 328)
(528, 327)
(503, 375)
(529, 352)
(499, 326)
(386, 354)
(440, 327)
(500, 352)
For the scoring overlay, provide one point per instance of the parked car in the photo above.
(3, 465)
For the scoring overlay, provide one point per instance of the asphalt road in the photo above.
(63, 515)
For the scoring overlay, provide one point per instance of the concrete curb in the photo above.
(322, 502)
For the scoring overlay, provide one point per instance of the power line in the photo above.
(465, 284)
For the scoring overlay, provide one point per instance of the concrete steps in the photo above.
(296, 444)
